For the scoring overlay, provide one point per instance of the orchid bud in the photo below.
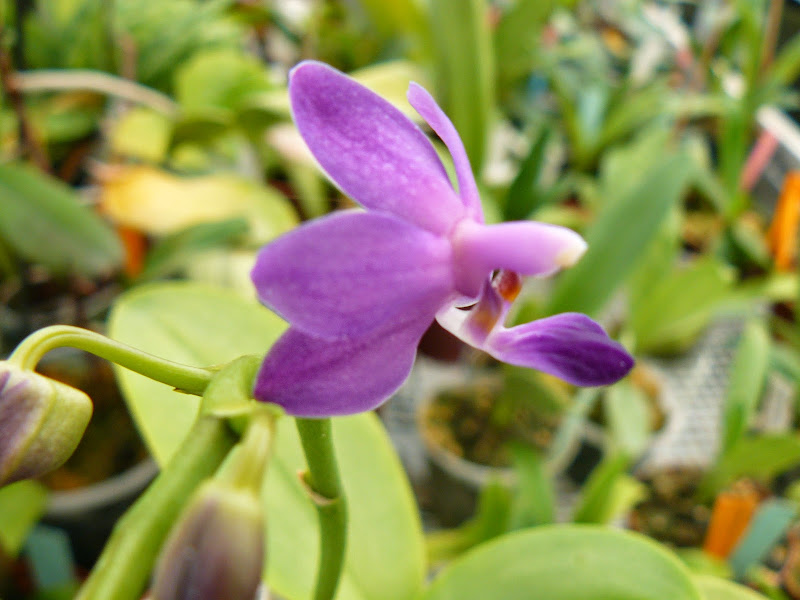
(41, 423)
(216, 550)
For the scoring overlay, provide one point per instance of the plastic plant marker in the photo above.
(767, 527)
(759, 157)
(783, 231)
(730, 517)
(50, 557)
(565, 562)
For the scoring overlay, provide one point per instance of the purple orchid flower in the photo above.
(359, 288)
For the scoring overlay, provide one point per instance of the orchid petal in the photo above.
(526, 247)
(570, 346)
(370, 149)
(350, 272)
(429, 110)
(312, 377)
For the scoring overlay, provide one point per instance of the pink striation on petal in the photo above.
(351, 272)
(570, 346)
(427, 108)
(370, 149)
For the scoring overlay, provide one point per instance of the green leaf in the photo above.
(45, 222)
(680, 304)
(465, 70)
(166, 34)
(598, 503)
(218, 82)
(745, 383)
(619, 236)
(535, 497)
(517, 38)
(174, 251)
(715, 588)
(565, 563)
(524, 195)
(657, 262)
(188, 323)
(400, 18)
(21, 506)
(628, 417)
(492, 518)
(760, 457)
(202, 325)
(787, 63)
(142, 133)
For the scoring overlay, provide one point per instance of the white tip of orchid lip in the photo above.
(572, 253)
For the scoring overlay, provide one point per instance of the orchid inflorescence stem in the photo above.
(143, 528)
(128, 558)
(323, 481)
(192, 380)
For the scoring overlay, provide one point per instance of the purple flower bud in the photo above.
(216, 550)
(41, 423)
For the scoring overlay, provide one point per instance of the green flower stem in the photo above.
(323, 481)
(188, 379)
(128, 558)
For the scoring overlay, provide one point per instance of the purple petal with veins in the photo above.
(373, 152)
(312, 377)
(434, 116)
(570, 346)
(350, 272)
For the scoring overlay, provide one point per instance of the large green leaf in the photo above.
(565, 563)
(45, 222)
(619, 236)
(680, 305)
(188, 323)
(201, 325)
(715, 588)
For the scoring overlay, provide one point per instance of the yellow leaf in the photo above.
(159, 203)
